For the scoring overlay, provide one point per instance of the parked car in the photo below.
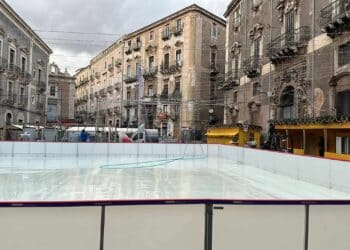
(146, 136)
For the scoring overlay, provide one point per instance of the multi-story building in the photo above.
(288, 61)
(181, 58)
(164, 75)
(61, 97)
(99, 88)
(23, 70)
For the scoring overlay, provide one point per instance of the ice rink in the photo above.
(124, 178)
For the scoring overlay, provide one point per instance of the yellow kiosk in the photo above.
(239, 134)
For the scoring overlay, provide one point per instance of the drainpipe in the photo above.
(313, 57)
(122, 86)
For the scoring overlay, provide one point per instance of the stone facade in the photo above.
(291, 60)
(61, 97)
(23, 71)
(99, 88)
(169, 73)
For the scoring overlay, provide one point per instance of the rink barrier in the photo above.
(332, 174)
(177, 224)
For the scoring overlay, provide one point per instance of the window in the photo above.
(237, 18)
(178, 57)
(151, 62)
(343, 103)
(138, 42)
(151, 35)
(150, 90)
(128, 71)
(289, 27)
(128, 94)
(9, 88)
(167, 30)
(344, 54)
(177, 110)
(235, 66)
(214, 30)
(165, 109)
(166, 88)
(105, 65)
(235, 97)
(166, 61)
(256, 89)
(21, 95)
(52, 91)
(178, 25)
(12, 57)
(1, 47)
(287, 103)
(212, 91)
(129, 45)
(39, 75)
(23, 64)
(255, 49)
(213, 59)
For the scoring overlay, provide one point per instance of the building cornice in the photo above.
(191, 8)
(230, 7)
(24, 26)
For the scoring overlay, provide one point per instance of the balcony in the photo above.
(92, 77)
(252, 66)
(164, 96)
(131, 78)
(130, 103)
(117, 110)
(102, 93)
(9, 100)
(3, 64)
(231, 82)
(176, 95)
(288, 44)
(178, 30)
(41, 86)
(85, 98)
(92, 96)
(13, 71)
(166, 35)
(97, 75)
(214, 69)
(23, 102)
(110, 67)
(128, 51)
(96, 95)
(137, 46)
(118, 62)
(335, 17)
(110, 89)
(117, 86)
(150, 73)
(169, 69)
(25, 78)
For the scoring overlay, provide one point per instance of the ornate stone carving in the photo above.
(166, 47)
(256, 32)
(179, 43)
(236, 48)
(284, 6)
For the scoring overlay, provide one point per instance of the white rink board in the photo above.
(248, 227)
(50, 228)
(329, 228)
(155, 227)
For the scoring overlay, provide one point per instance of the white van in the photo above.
(146, 136)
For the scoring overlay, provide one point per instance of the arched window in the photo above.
(343, 103)
(287, 103)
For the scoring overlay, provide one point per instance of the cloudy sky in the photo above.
(88, 26)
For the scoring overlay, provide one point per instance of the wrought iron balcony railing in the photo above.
(103, 93)
(117, 86)
(110, 89)
(334, 16)
(137, 46)
(110, 67)
(3, 64)
(166, 35)
(9, 99)
(128, 50)
(178, 30)
(150, 73)
(41, 86)
(232, 81)
(288, 44)
(168, 69)
(252, 66)
(214, 69)
(118, 62)
(130, 78)
(13, 71)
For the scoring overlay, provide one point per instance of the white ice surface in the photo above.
(86, 178)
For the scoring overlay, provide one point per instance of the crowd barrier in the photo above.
(197, 225)
(331, 174)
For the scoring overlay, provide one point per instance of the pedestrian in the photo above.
(83, 136)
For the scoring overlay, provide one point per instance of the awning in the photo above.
(340, 125)
(231, 133)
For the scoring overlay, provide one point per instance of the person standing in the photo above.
(83, 136)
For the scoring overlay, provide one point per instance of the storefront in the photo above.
(240, 135)
(330, 140)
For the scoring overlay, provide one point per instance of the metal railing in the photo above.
(297, 37)
(130, 78)
(168, 69)
(251, 66)
(166, 35)
(334, 11)
(150, 73)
